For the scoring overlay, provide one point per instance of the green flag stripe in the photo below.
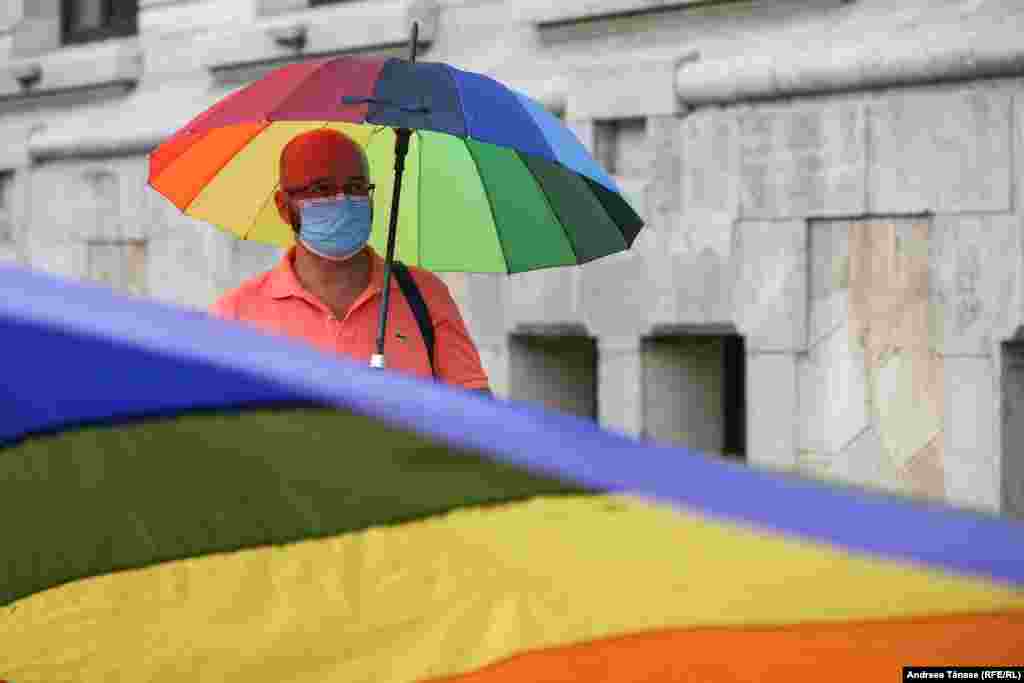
(459, 227)
(105, 498)
(530, 232)
(591, 230)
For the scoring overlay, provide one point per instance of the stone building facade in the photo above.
(830, 281)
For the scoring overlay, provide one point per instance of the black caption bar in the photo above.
(963, 673)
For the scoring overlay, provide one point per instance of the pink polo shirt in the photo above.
(277, 302)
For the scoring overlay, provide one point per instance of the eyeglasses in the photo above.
(356, 187)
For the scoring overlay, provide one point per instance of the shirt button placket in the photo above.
(335, 327)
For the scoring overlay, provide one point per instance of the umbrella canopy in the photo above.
(184, 496)
(493, 182)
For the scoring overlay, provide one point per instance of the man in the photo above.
(327, 288)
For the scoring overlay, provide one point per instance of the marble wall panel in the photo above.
(772, 410)
(890, 320)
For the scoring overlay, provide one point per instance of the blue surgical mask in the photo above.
(337, 227)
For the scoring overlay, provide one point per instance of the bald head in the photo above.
(322, 158)
(321, 153)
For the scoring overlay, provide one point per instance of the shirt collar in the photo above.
(285, 283)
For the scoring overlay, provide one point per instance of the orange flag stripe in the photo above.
(854, 651)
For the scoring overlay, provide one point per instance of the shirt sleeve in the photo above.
(455, 355)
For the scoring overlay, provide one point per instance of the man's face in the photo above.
(320, 165)
(326, 186)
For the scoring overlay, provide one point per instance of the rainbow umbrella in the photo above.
(491, 181)
(186, 498)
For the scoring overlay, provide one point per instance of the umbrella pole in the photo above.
(401, 149)
(402, 136)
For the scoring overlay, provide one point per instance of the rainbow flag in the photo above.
(188, 499)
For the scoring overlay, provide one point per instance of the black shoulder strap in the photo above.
(418, 306)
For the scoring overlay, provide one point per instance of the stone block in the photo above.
(38, 32)
(710, 163)
(458, 286)
(35, 36)
(99, 201)
(62, 258)
(271, 7)
(620, 385)
(495, 361)
(701, 252)
(230, 261)
(482, 306)
(632, 155)
(802, 160)
(1017, 176)
(976, 270)
(540, 296)
(664, 196)
(862, 462)
(178, 15)
(625, 89)
(770, 293)
(622, 295)
(833, 394)
(1011, 443)
(828, 287)
(122, 266)
(702, 236)
(52, 222)
(772, 409)
(945, 152)
(178, 268)
(9, 253)
(11, 13)
(970, 466)
(544, 12)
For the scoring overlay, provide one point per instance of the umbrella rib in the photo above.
(490, 203)
(263, 206)
(551, 207)
(458, 97)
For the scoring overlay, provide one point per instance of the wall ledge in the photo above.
(828, 54)
(155, 115)
(379, 28)
(112, 67)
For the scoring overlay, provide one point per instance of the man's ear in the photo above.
(284, 210)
